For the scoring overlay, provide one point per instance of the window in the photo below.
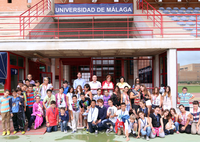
(13, 59)
(20, 61)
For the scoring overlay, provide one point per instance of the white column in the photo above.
(52, 6)
(53, 60)
(156, 71)
(66, 72)
(172, 74)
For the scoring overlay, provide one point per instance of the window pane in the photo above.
(20, 61)
(13, 59)
(21, 74)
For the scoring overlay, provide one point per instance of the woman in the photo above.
(69, 102)
(78, 91)
(116, 97)
(143, 108)
(144, 126)
(122, 84)
(174, 117)
(167, 99)
(135, 98)
(168, 127)
(156, 98)
(137, 81)
(88, 93)
(146, 96)
(61, 99)
(108, 84)
(125, 98)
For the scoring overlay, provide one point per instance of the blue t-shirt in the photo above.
(184, 99)
(66, 90)
(64, 117)
(14, 104)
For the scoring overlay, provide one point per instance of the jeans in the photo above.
(52, 128)
(92, 127)
(63, 126)
(128, 107)
(176, 126)
(31, 110)
(147, 132)
(187, 108)
(104, 123)
(31, 121)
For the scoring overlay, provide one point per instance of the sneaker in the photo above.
(28, 129)
(142, 137)
(87, 132)
(73, 132)
(147, 138)
(14, 132)
(23, 132)
(96, 131)
(8, 133)
(134, 135)
(84, 128)
(65, 131)
(4, 133)
(108, 130)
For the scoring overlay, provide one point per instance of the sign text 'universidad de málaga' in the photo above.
(118, 8)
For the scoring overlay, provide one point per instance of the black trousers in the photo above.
(27, 113)
(31, 121)
(92, 127)
(18, 121)
(169, 132)
(187, 129)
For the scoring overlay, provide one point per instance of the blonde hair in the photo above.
(46, 78)
(132, 117)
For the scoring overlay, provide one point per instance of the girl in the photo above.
(61, 99)
(78, 91)
(37, 88)
(144, 125)
(167, 99)
(69, 102)
(168, 127)
(88, 93)
(125, 98)
(144, 109)
(116, 97)
(156, 98)
(146, 96)
(174, 118)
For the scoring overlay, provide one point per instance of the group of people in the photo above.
(99, 106)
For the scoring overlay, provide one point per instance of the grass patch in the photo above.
(191, 89)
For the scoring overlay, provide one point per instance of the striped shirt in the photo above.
(5, 104)
(30, 99)
(195, 114)
(184, 99)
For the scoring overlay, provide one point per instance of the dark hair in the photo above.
(156, 107)
(126, 87)
(110, 100)
(74, 96)
(18, 89)
(93, 101)
(30, 85)
(118, 93)
(79, 72)
(20, 81)
(27, 80)
(53, 102)
(13, 90)
(184, 88)
(82, 94)
(141, 112)
(87, 86)
(121, 78)
(123, 104)
(98, 89)
(61, 88)
(168, 116)
(62, 108)
(70, 90)
(172, 109)
(136, 81)
(65, 82)
(25, 85)
(195, 102)
(154, 90)
(49, 90)
(105, 90)
(37, 81)
(100, 100)
(7, 91)
(181, 105)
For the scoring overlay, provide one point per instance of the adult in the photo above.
(79, 81)
(116, 97)
(108, 84)
(30, 78)
(122, 84)
(65, 86)
(94, 85)
(44, 87)
(156, 98)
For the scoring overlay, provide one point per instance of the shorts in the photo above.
(148, 102)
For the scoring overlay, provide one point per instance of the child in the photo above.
(168, 127)
(30, 98)
(185, 98)
(75, 113)
(130, 124)
(78, 92)
(174, 118)
(63, 119)
(65, 86)
(167, 99)
(144, 125)
(156, 98)
(111, 117)
(119, 125)
(16, 111)
(106, 97)
(135, 98)
(37, 88)
(5, 112)
(52, 117)
(98, 96)
(143, 108)
(61, 99)
(20, 84)
(48, 99)
(125, 98)
(195, 112)
(92, 117)
(37, 115)
(69, 102)
(102, 114)
(27, 82)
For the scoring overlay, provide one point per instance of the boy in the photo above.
(20, 84)
(106, 97)
(65, 86)
(75, 113)
(16, 109)
(92, 117)
(102, 114)
(131, 124)
(119, 125)
(47, 100)
(185, 98)
(30, 98)
(195, 112)
(27, 82)
(98, 96)
(37, 88)
(52, 117)
(5, 112)
(64, 118)
(157, 124)
(84, 104)
(111, 117)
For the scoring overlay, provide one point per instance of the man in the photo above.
(195, 112)
(52, 117)
(92, 117)
(66, 87)
(44, 87)
(157, 124)
(94, 85)
(48, 99)
(185, 98)
(29, 77)
(79, 81)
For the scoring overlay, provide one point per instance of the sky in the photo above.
(188, 57)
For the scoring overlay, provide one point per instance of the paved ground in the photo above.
(81, 136)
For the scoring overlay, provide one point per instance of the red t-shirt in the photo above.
(52, 116)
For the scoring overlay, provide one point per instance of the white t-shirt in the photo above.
(44, 89)
(113, 110)
(129, 126)
(94, 86)
(62, 99)
(119, 114)
(69, 95)
(184, 118)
